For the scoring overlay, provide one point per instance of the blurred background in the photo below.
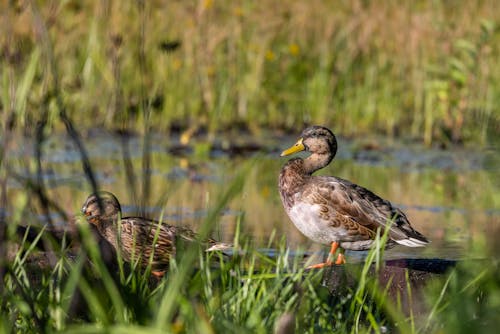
(163, 102)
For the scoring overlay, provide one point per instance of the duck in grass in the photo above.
(140, 239)
(334, 211)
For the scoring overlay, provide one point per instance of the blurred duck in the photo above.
(334, 211)
(136, 237)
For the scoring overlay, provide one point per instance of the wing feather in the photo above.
(358, 209)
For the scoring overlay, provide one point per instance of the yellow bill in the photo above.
(298, 147)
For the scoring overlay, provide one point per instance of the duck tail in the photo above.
(417, 241)
(220, 246)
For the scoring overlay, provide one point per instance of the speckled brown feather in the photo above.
(136, 237)
(357, 209)
(140, 237)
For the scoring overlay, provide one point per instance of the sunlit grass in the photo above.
(419, 69)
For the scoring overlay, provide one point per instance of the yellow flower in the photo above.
(270, 55)
(265, 192)
(210, 70)
(176, 63)
(207, 4)
(294, 49)
(238, 11)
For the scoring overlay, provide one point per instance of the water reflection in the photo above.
(448, 195)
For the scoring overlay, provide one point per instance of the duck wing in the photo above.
(360, 211)
(140, 237)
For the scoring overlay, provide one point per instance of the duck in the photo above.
(333, 211)
(140, 239)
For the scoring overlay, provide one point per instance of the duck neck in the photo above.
(317, 161)
(108, 229)
(291, 180)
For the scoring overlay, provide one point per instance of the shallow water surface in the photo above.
(451, 196)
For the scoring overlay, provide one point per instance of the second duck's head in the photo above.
(101, 206)
(317, 140)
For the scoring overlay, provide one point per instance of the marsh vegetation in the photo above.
(181, 110)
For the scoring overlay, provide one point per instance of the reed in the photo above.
(421, 69)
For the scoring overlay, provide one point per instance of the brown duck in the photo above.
(331, 210)
(136, 237)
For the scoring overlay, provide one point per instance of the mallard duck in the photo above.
(331, 210)
(136, 237)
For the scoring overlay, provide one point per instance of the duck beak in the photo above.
(298, 147)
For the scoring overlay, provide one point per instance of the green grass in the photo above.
(420, 69)
(247, 292)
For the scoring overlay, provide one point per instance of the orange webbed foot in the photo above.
(339, 261)
(158, 274)
(320, 265)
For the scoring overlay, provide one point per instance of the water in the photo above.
(451, 196)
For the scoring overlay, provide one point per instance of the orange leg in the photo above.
(340, 258)
(333, 250)
(158, 274)
(331, 254)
